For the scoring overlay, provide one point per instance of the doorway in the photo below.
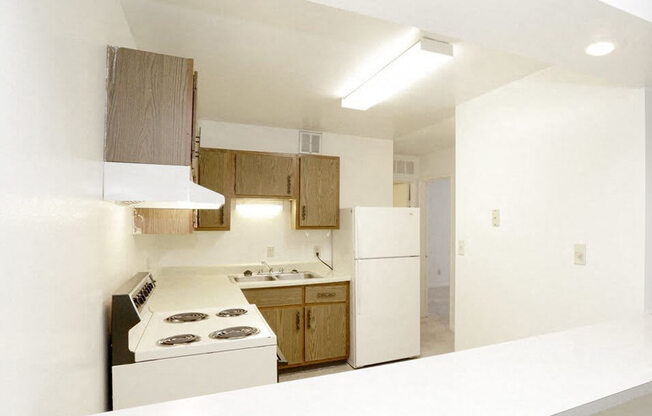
(437, 336)
(438, 193)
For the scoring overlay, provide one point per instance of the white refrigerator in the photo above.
(379, 247)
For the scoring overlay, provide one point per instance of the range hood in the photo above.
(144, 185)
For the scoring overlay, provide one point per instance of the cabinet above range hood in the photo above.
(150, 131)
(145, 185)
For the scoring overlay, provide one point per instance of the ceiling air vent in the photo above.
(309, 142)
(403, 167)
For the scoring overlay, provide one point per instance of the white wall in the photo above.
(563, 157)
(365, 179)
(648, 199)
(63, 251)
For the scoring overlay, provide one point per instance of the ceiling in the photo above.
(552, 31)
(287, 63)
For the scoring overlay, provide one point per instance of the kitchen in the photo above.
(208, 199)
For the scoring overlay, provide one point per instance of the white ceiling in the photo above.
(552, 31)
(287, 63)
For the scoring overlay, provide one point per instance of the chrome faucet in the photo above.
(270, 269)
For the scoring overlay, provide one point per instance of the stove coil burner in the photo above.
(179, 340)
(227, 313)
(187, 317)
(234, 332)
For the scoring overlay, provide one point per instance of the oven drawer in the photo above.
(321, 294)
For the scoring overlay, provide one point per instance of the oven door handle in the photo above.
(280, 358)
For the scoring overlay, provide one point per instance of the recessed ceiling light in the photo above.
(600, 48)
(412, 65)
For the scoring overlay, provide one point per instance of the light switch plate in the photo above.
(270, 251)
(461, 247)
(580, 254)
(495, 218)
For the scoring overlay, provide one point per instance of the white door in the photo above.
(387, 310)
(386, 232)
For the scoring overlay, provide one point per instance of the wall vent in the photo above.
(309, 142)
(403, 167)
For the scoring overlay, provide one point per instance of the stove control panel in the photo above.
(141, 295)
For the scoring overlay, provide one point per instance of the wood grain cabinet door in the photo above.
(287, 324)
(265, 175)
(149, 108)
(326, 331)
(319, 192)
(216, 173)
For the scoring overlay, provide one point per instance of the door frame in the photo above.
(423, 203)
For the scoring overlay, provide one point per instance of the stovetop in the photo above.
(199, 331)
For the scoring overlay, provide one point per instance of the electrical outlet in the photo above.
(580, 254)
(495, 218)
(316, 250)
(270, 251)
(461, 247)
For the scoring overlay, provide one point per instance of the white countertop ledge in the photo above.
(544, 375)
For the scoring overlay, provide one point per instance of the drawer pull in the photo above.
(326, 295)
(289, 184)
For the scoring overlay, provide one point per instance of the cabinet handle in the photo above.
(309, 318)
(303, 212)
(326, 295)
(289, 184)
(222, 215)
(298, 321)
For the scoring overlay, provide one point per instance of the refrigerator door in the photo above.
(386, 232)
(386, 321)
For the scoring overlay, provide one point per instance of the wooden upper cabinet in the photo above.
(265, 175)
(319, 192)
(216, 173)
(163, 221)
(149, 108)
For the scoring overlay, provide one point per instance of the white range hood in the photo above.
(156, 186)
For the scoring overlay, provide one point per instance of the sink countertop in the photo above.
(180, 288)
(574, 372)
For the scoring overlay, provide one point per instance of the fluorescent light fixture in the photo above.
(259, 209)
(411, 66)
(600, 48)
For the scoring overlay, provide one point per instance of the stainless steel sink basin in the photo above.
(275, 276)
(254, 278)
(296, 276)
(289, 276)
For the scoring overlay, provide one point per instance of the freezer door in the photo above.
(386, 323)
(386, 232)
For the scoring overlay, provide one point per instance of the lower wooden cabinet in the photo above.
(287, 324)
(326, 331)
(311, 322)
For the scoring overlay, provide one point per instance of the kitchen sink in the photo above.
(275, 276)
(254, 278)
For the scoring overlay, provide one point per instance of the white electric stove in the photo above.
(179, 354)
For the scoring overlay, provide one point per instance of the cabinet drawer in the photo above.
(275, 297)
(319, 294)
